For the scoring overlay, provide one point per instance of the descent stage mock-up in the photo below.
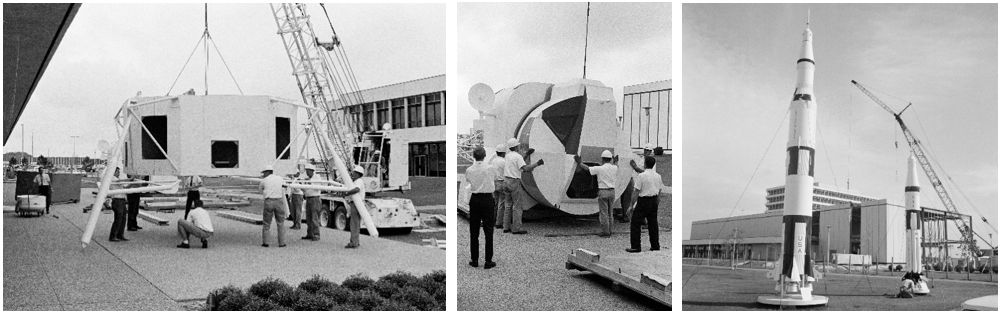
(558, 121)
(213, 135)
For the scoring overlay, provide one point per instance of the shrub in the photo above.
(366, 299)
(258, 304)
(287, 297)
(267, 287)
(357, 282)
(439, 295)
(394, 305)
(899, 267)
(217, 296)
(438, 275)
(235, 302)
(316, 283)
(345, 307)
(313, 302)
(417, 297)
(385, 289)
(339, 295)
(400, 279)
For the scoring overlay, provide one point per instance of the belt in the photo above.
(485, 193)
(272, 198)
(651, 196)
(607, 189)
(312, 196)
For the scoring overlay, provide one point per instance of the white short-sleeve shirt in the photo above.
(499, 164)
(481, 177)
(200, 218)
(513, 164)
(649, 183)
(606, 175)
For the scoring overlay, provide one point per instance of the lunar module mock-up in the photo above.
(558, 121)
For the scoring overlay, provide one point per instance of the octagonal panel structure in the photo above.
(214, 135)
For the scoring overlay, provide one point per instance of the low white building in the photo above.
(646, 114)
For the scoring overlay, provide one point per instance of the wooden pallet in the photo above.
(646, 273)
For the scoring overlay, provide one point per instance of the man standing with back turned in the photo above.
(606, 188)
(481, 209)
(274, 205)
(648, 186)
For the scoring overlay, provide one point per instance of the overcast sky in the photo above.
(506, 44)
(112, 51)
(740, 71)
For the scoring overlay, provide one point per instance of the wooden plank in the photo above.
(244, 217)
(653, 286)
(154, 219)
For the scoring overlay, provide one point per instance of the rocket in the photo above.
(912, 205)
(800, 152)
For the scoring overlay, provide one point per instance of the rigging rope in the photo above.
(696, 271)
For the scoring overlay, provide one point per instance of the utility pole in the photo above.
(827, 259)
(733, 253)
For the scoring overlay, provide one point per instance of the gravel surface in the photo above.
(531, 272)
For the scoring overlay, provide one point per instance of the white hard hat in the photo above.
(268, 168)
(648, 146)
(513, 142)
(606, 154)
(359, 169)
(501, 148)
(310, 167)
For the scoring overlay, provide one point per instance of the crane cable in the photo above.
(206, 37)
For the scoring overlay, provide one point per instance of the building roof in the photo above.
(647, 87)
(761, 240)
(31, 32)
(403, 89)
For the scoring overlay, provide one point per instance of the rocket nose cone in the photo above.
(912, 171)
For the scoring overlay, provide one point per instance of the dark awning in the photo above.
(31, 34)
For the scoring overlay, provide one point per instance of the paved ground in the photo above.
(531, 272)
(722, 289)
(45, 268)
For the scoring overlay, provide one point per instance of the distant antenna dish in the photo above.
(481, 96)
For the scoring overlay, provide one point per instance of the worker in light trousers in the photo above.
(500, 191)
(313, 206)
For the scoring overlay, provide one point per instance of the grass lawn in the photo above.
(720, 289)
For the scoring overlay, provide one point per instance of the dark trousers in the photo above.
(133, 202)
(646, 208)
(118, 208)
(193, 195)
(47, 191)
(481, 214)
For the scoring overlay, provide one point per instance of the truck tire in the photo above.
(324, 216)
(340, 218)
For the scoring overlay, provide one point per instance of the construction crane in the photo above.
(919, 153)
(324, 93)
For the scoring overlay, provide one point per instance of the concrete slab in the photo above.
(236, 257)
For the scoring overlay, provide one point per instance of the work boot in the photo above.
(489, 265)
(205, 243)
(184, 245)
(633, 250)
(474, 263)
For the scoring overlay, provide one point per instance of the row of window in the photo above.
(400, 113)
(427, 159)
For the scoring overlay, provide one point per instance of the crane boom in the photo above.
(919, 153)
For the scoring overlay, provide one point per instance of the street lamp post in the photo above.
(647, 109)
(73, 164)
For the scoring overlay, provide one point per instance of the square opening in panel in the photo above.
(283, 136)
(225, 154)
(157, 126)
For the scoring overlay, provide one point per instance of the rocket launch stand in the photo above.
(799, 298)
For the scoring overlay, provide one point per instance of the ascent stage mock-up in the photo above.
(559, 121)
(210, 135)
(794, 272)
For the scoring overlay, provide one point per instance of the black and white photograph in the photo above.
(564, 156)
(231, 157)
(871, 187)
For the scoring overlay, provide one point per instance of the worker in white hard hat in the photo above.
(296, 200)
(500, 192)
(514, 165)
(313, 208)
(606, 173)
(274, 205)
(354, 223)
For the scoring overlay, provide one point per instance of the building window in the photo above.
(225, 154)
(157, 126)
(398, 114)
(283, 136)
(427, 159)
(432, 114)
(382, 114)
(414, 111)
(368, 111)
